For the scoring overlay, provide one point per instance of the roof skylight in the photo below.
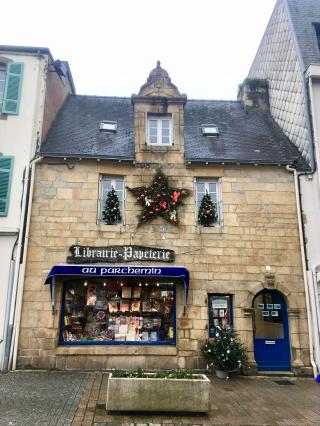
(108, 126)
(209, 130)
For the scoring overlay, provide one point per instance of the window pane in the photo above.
(153, 139)
(268, 322)
(165, 124)
(200, 187)
(119, 185)
(153, 132)
(165, 132)
(166, 140)
(212, 187)
(153, 124)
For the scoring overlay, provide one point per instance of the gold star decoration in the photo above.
(159, 199)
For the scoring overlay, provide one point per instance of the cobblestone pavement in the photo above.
(78, 399)
(40, 398)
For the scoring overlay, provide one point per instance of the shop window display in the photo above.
(118, 311)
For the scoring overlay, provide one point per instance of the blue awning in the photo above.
(87, 271)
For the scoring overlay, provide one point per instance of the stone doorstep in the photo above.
(274, 374)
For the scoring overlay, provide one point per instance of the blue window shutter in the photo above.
(11, 98)
(6, 166)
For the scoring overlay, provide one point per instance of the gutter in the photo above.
(21, 262)
(311, 335)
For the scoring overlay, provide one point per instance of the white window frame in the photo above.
(159, 119)
(103, 194)
(215, 196)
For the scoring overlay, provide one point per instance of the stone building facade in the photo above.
(251, 249)
(288, 60)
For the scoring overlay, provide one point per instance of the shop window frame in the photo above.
(63, 343)
(211, 326)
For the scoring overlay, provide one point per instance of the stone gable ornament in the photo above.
(159, 200)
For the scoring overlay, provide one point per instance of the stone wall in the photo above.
(259, 228)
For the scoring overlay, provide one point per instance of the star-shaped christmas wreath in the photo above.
(159, 200)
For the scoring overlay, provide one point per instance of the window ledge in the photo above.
(116, 227)
(210, 229)
(160, 148)
(116, 350)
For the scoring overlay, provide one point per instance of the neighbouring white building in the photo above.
(33, 87)
(289, 59)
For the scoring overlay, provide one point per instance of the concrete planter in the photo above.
(150, 394)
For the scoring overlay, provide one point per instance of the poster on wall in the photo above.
(219, 303)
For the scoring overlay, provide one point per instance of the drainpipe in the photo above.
(314, 299)
(7, 323)
(305, 278)
(21, 262)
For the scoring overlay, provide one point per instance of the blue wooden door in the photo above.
(271, 332)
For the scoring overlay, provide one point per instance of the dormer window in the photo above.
(159, 130)
(210, 130)
(108, 126)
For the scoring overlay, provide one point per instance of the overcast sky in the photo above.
(207, 46)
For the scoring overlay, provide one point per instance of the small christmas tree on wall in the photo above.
(207, 212)
(111, 212)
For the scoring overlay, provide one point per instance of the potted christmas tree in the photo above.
(225, 352)
(111, 212)
(207, 212)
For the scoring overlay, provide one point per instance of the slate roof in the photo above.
(303, 14)
(75, 132)
(246, 136)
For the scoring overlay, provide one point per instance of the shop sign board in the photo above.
(89, 254)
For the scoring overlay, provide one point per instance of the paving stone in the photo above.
(77, 399)
(39, 398)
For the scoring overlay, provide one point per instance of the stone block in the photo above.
(64, 193)
(187, 345)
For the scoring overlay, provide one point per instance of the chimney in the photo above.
(254, 93)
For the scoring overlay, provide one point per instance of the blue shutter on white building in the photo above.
(12, 91)
(6, 166)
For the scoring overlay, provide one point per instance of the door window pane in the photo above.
(268, 316)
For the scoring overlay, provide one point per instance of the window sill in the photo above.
(116, 350)
(116, 227)
(160, 148)
(218, 229)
